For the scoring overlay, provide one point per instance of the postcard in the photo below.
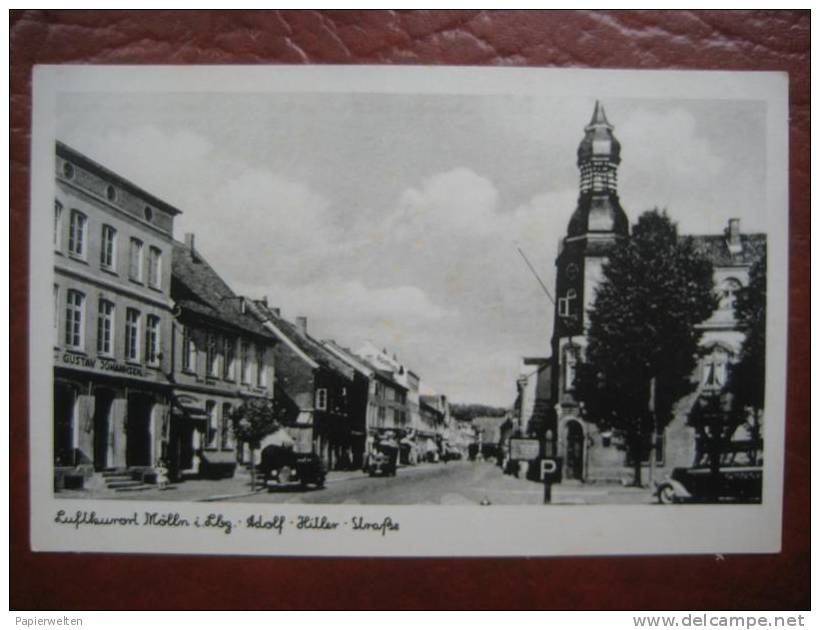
(407, 311)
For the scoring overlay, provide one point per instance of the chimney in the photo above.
(277, 311)
(264, 300)
(242, 307)
(189, 240)
(733, 236)
(301, 324)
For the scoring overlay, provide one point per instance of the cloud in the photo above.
(666, 142)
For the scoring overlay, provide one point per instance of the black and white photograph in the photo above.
(428, 311)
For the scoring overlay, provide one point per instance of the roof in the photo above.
(198, 289)
(306, 344)
(66, 152)
(716, 249)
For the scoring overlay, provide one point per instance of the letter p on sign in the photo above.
(551, 469)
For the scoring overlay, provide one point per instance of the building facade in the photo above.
(597, 224)
(313, 391)
(112, 329)
(222, 356)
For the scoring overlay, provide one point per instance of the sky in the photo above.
(397, 218)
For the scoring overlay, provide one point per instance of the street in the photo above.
(454, 483)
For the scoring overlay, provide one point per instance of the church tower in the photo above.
(597, 224)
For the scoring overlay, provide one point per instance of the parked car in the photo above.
(281, 467)
(739, 478)
(383, 459)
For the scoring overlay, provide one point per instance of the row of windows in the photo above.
(78, 247)
(219, 434)
(221, 357)
(75, 323)
(389, 393)
(399, 416)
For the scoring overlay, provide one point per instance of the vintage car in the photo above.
(450, 453)
(282, 467)
(383, 459)
(739, 478)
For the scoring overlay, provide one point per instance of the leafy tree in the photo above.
(747, 379)
(642, 331)
(253, 420)
(467, 411)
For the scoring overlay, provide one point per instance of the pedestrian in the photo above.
(162, 474)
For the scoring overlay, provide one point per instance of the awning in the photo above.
(192, 407)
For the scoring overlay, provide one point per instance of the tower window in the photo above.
(565, 307)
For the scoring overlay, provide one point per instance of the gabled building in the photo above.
(533, 402)
(313, 391)
(222, 355)
(112, 325)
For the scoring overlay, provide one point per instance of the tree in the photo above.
(642, 332)
(747, 378)
(254, 419)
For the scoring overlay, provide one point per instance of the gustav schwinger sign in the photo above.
(100, 365)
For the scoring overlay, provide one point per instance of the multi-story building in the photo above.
(112, 322)
(313, 391)
(222, 356)
(533, 402)
(597, 224)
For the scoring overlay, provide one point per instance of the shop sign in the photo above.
(104, 365)
(524, 449)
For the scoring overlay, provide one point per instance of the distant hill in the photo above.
(467, 411)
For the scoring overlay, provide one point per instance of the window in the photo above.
(149, 214)
(321, 399)
(565, 303)
(76, 234)
(230, 359)
(105, 328)
(152, 340)
(56, 322)
(108, 251)
(212, 432)
(225, 433)
(260, 365)
(188, 350)
(58, 226)
(714, 370)
(132, 335)
(381, 414)
(246, 361)
(212, 355)
(397, 417)
(75, 309)
(68, 170)
(154, 267)
(570, 362)
(111, 193)
(135, 267)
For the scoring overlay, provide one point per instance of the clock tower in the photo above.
(597, 224)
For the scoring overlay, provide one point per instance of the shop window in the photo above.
(225, 434)
(188, 350)
(132, 335)
(74, 320)
(212, 432)
(135, 260)
(155, 267)
(105, 328)
(77, 234)
(58, 226)
(108, 248)
(321, 399)
(152, 340)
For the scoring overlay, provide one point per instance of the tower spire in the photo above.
(599, 155)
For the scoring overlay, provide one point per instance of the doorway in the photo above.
(103, 434)
(575, 450)
(138, 430)
(180, 446)
(65, 400)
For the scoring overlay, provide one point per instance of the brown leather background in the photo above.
(755, 40)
